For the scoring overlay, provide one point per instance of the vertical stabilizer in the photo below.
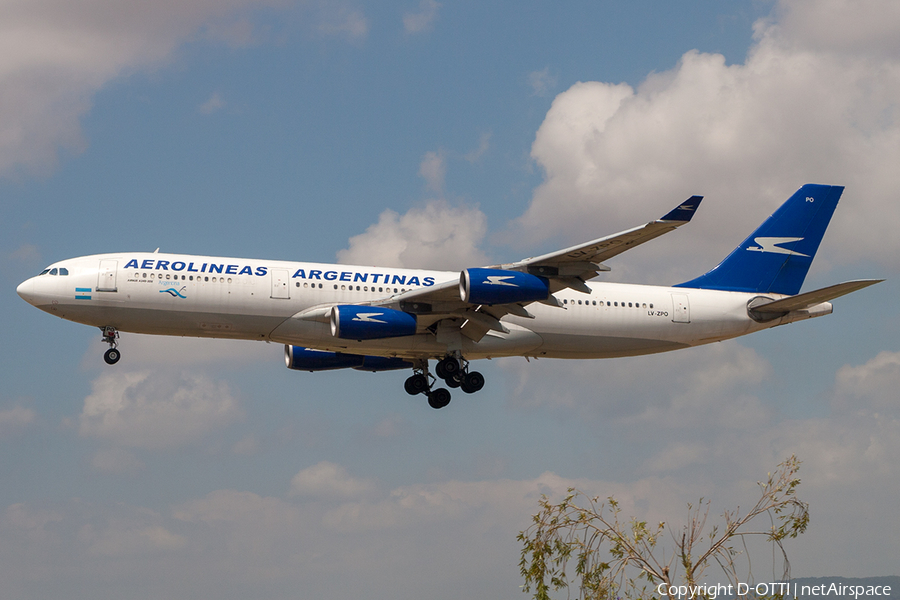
(777, 256)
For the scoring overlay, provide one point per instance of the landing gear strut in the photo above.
(421, 382)
(110, 336)
(454, 370)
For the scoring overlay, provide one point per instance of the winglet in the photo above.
(684, 211)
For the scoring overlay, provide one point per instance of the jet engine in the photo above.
(496, 286)
(308, 359)
(352, 322)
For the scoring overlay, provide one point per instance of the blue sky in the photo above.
(437, 135)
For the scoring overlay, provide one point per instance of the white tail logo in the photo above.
(771, 244)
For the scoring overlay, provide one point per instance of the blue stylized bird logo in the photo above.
(174, 293)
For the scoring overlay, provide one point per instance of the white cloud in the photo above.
(328, 480)
(343, 21)
(686, 387)
(541, 82)
(154, 351)
(15, 419)
(156, 410)
(119, 537)
(55, 54)
(116, 461)
(747, 135)
(424, 19)
(484, 144)
(870, 387)
(436, 236)
(433, 169)
(213, 104)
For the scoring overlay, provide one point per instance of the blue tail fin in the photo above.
(776, 257)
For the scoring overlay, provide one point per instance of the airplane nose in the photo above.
(26, 290)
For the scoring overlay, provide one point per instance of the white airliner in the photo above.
(376, 319)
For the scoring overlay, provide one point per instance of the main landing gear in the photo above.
(455, 373)
(110, 336)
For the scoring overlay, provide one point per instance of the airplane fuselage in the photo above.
(204, 296)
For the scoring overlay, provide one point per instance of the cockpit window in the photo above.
(53, 271)
(44, 272)
(63, 271)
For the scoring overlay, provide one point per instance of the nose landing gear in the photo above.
(454, 370)
(110, 336)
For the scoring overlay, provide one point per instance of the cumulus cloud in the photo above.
(343, 21)
(541, 82)
(417, 22)
(156, 410)
(484, 144)
(213, 104)
(433, 170)
(799, 109)
(55, 54)
(870, 387)
(686, 386)
(327, 479)
(120, 537)
(437, 236)
(156, 351)
(15, 419)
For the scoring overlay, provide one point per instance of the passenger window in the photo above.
(651, 305)
(229, 280)
(629, 305)
(616, 303)
(206, 279)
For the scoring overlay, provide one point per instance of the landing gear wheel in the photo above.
(439, 398)
(453, 382)
(110, 335)
(448, 367)
(416, 384)
(472, 382)
(112, 356)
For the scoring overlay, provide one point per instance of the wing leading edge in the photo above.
(566, 268)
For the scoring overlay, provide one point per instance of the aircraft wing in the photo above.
(567, 268)
(584, 260)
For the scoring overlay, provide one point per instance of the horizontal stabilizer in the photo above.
(808, 299)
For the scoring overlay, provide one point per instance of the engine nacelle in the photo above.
(496, 286)
(309, 359)
(351, 322)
